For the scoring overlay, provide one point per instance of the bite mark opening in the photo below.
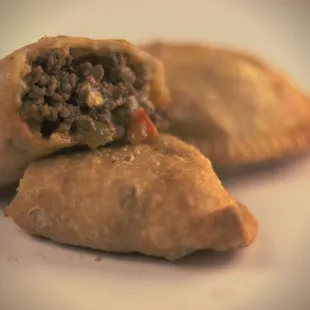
(93, 98)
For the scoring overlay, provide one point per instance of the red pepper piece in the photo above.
(141, 129)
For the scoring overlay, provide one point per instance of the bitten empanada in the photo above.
(236, 108)
(65, 91)
(162, 200)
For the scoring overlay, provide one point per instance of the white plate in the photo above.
(272, 274)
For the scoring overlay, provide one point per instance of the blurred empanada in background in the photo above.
(65, 91)
(236, 108)
(162, 200)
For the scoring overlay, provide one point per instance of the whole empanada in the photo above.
(65, 91)
(162, 200)
(236, 108)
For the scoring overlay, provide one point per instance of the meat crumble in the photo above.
(91, 97)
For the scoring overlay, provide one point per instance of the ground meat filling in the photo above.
(93, 97)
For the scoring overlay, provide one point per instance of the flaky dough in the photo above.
(162, 200)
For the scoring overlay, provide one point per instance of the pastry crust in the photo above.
(162, 200)
(19, 145)
(236, 108)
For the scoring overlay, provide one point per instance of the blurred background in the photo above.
(262, 26)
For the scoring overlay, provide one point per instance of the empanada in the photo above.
(65, 91)
(236, 108)
(162, 200)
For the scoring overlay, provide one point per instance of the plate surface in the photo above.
(271, 274)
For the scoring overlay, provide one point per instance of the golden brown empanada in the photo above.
(162, 200)
(65, 91)
(236, 108)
